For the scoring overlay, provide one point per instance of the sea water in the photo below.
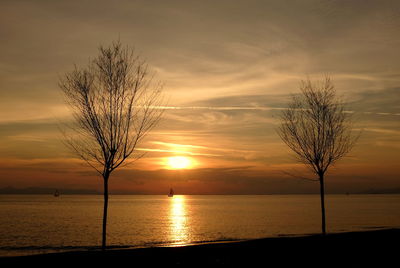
(31, 224)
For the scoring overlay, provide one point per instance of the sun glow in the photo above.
(179, 162)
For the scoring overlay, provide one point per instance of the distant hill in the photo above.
(50, 191)
(37, 190)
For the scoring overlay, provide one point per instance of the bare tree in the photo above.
(115, 104)
(317, 129)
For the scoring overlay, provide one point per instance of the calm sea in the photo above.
(32, 224)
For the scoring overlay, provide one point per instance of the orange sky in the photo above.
(228, 69)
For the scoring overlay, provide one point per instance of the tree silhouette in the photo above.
(317, 129)
(115, 103)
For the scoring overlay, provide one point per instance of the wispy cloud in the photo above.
(218, 108)
(250, 108)
(27, 138)
(383, 130)
(175, 145)
(175, 152)
(185, 146)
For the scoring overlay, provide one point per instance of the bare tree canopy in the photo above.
(317, 129)
(115, 103)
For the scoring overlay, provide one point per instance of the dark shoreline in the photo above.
(378, 248)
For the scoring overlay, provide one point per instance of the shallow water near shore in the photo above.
(31, 224)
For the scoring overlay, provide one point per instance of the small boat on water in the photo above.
(56, 193)
(171, 193)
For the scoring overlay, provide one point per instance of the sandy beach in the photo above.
(376, 248)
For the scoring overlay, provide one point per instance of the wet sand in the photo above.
(377, 248)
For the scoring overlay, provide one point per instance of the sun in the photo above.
(179, 162)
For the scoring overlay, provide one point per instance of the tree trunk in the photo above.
(103, 244)
(322, 193)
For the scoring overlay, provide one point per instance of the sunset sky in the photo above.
(228, 68)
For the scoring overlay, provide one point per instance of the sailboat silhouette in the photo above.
(56, 193)
(171, 193)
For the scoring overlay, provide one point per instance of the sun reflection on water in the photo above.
(178, 220)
